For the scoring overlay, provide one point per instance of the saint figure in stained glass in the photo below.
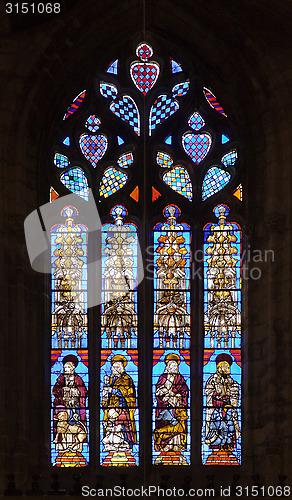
(222, 391)
(70, 393)
(119, 403)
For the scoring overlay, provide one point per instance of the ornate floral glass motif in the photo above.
(126, 109)
(93, 147)
(162, 109)
(179, 180)
(181, 89)
(112, 181)
(215, 179)
(171, 341)
(69, 354)
(61, 161)
(196, 146)
(213, 101)
(144, 74)
(75, 104)
(75, 181)
(221, 442)
(119, 343)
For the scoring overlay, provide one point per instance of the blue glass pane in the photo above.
(66, 141)
(113, 67)
(181, 89)
(175, 66)
(230, 158)
(214, 180)
(120, 141)
(126, 109)
(168, 140)
(162, 109)
(75, 181)
(61, 161)
(225, 139)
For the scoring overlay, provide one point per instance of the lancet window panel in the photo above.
(119, 415)
(69, 353)
(171, 341)
(221, 430)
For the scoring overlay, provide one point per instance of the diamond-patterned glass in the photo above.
(230, 158)
(144, 75)
(61, 161)
(179, 180)
(163, 159)
(195, 121)
(126, 109)
(196, 146)
(144, 51)
(108, 90)
(162, 109)
(75, 181)
(93, 123)
(125, 160)
(181, 89)
(112, 181)
(214, 180)
(93, 147)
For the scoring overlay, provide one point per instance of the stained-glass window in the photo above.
(75, 181)
(162, 109)
(119, 415)
(179, 180)
(126, 109)
(215, 179)
(196, 121)
(181, 89)
(213, 101)
(155, 148)
(221, 430)
(93, 123)
(171, 341)
(112, 181)
(197, 146)
(61, 161)
(93, 147)
(69, 353)
(75, 104)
